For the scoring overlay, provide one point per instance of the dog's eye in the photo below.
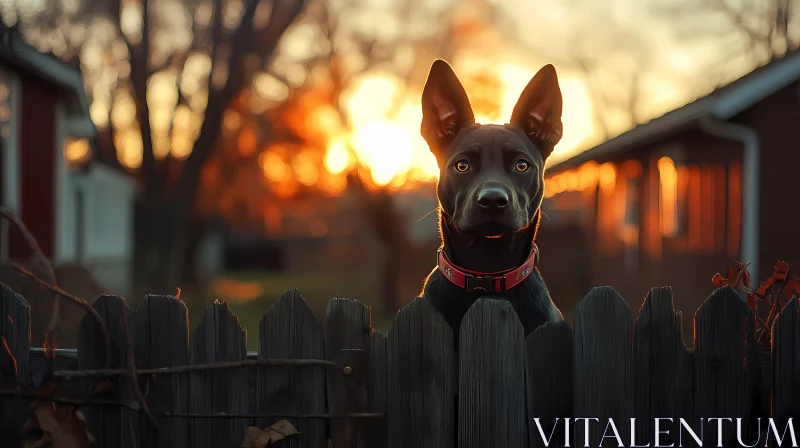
(461, 166)
(522, 166)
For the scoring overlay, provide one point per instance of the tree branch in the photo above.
(101, 324)
(243, 42)
(140, 72)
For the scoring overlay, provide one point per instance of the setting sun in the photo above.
(384, 138)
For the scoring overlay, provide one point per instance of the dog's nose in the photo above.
(493, 199)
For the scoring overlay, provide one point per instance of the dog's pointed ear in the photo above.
(538, 110)
(445, 107)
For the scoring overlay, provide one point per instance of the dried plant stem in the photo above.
(31, 240)
(46, 264)
(80, 302)
(196, 368)
(131, 372)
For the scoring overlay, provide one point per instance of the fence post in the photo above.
(662, 370)
(349, 343)
(785, 371)
(549, 381)
(14, 361)
(491, 392)
(161, 327)
(290, 330)
(727, 364)
(421, 372)
(109, 425)
(603, 383)
(218, 338)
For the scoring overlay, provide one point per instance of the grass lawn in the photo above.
(261, 291)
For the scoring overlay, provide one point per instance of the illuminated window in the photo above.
(633, 171)
(76, 151)
(668, 197)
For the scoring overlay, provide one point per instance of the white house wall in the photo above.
(108, 198)
(10, 157)
(67, 126)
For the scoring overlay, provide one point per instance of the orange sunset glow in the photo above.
(381, 141)
(384, 138)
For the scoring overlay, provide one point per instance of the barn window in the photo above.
(668, 197)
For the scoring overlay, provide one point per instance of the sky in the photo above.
(626, 43)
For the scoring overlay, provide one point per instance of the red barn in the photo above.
(675, 200)
(78, 213)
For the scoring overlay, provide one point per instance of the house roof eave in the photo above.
(667, 125)
(722, 105)
(18, 53)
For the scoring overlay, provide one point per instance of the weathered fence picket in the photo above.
(727, 376)
(14, 359)
(491, 392)
(344, 384)
(786, 364)
(603, 387)
(422, 384)
(219, 338)
(290, 330)
(161, 333)
(349, 344)
(109, 425)
(549, 382)
(662, 375)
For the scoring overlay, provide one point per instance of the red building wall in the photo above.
(705, 242)
(37, 165)
(777, 120)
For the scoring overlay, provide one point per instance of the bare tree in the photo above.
(350, 46)
(179, 65)
(758, 31)
(610, 57)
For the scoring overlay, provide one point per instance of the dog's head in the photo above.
(491, 177)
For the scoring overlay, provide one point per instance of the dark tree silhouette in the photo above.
(137, 42)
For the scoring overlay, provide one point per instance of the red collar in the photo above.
(487, 281)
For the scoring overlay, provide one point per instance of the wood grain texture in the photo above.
(290, 330)
(219, 337)
(376, 432)
(786, 364)
(662, 374)
(603, 383)
(161, 329)
(421, 387)
(348, 342)
(549, 382)
(14, 361)
(110, 426)
(727, 370)
(491, 394)
(66, 359)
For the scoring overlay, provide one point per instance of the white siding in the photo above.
(107, 220)
(10, 158)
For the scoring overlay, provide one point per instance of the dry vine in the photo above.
(46, 264)
(53, 287)
(80, 302)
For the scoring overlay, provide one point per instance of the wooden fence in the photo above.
(339, 382)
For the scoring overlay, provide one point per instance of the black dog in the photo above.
(490, 189)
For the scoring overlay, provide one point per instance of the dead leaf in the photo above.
(280, 430)
(62, 425)
(738, 278)
(255, 437)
